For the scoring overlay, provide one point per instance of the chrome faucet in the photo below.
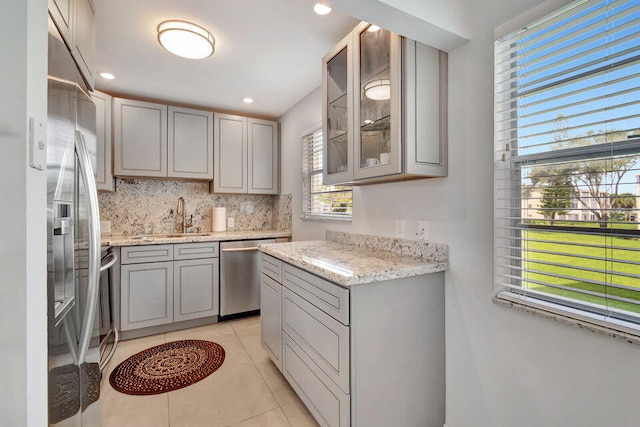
(182, 210)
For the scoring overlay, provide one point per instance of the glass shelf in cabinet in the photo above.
(339, 102)
(338, 137)
(383, 123)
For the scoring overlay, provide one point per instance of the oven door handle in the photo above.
(112, 258)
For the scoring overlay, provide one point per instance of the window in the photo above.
(567, 175)
(319, 200)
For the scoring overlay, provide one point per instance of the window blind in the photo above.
(319, 200)
(567, 170)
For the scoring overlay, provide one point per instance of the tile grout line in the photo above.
(256, 368)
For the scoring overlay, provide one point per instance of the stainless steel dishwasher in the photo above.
(240, 277)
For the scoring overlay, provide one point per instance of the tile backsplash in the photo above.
(146, 206)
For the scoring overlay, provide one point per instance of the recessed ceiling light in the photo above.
(247, 100)
(107, 76)
(373, 28)
(186, 39)
(321, 9)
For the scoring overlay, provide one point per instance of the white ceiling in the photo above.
(269, 50)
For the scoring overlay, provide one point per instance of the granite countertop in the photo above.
(156, 239)
(351, 264)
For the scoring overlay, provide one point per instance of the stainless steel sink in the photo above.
(166, 236)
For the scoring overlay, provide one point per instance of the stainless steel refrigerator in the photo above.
(73, 242)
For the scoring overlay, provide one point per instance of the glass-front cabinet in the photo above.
(384, 109)
(377, 107)
(337, 113)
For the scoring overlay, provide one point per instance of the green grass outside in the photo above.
(533, 258)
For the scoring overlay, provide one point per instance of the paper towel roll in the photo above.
(219, 219)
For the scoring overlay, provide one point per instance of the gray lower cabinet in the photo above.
(368, 355)
(146, 296)
(195, 284)
(162, 284)
(271, 318)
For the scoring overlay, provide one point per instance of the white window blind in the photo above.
(319, 200)
(567, 175)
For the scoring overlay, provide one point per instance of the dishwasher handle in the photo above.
(251, 248)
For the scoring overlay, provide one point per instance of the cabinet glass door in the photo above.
(337, 115)
(378, 86)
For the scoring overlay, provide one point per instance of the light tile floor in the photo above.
(246, 391)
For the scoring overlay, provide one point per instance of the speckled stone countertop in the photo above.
(156, 239)
(349, 264)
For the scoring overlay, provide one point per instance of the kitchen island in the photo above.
(356, 325)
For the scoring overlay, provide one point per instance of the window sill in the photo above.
(569, 316)
(326, 218)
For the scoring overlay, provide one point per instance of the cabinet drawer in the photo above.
(272, 267)
(150, 253)
(323, 339)
(195, 250)
(328, 297)
(328, 404)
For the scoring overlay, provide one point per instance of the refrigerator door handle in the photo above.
(94, 245)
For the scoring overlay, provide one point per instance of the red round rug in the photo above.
(167, 367)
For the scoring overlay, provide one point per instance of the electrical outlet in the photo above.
(231, 222)
(423, 230)
(400, 227)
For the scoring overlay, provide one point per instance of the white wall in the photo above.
(23, 312)
(298, 119)
(505, 368)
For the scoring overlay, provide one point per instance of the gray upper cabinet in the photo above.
(384, 109)
(230, 153)
(160, 141)
(84, 38)
(75, 20)
(140, 138)
(263, 157)
(246, 155)
(104, 179)
(190, 143)
(62, 12)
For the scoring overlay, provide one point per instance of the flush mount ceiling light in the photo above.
(107, 76)
(321, 9)
(378, 90)
(247, 100)
(185, 39)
